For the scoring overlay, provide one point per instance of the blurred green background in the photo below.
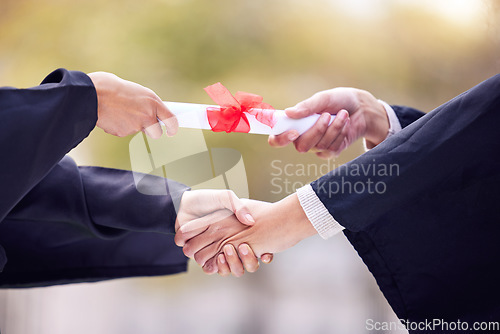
(418, 53)
(413, 52)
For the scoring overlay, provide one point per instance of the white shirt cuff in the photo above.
(394, 124)
(317, 213)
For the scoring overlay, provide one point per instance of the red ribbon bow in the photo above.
(230, 116)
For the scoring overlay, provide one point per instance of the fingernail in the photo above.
(265, 259)
(229, 250)
(343, 115)
(171, 125)
(222, 259)
(243, 249)
(249, 218)
(292, 136)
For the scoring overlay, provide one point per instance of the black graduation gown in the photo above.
(429, 226)
(60, 223)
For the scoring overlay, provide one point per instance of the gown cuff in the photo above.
(317, 213)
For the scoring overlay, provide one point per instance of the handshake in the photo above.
(221, 232)
(226, 234)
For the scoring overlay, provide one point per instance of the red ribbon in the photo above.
(230, 116)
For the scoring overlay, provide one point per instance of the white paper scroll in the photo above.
(194, 116)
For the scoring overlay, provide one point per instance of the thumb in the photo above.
(316, 104)
(230, 201)
(167, 117)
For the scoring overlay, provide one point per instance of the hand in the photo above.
(213, 213)
(125, 107)
(199, 209)
(359, 114)
(277, 227)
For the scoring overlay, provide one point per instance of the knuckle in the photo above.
(322, 145)
(238, 273)
(337, 126)
(199, 259)
(178, 239)
(276, 141)
(319, 129)
(320, 95)
(187, 250)
(230, 193)
(120, 133)
(302, 148)
(208, 269)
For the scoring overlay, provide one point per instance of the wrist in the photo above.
(377, 121)
(297, 224)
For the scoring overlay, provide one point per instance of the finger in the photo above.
(223, 267)
(326, 154)
(283, 139)
(334, 131)
(198, 248)
(247, 256)
(151, 125)
(210, 267)
(335, 146)
(311, 137)
(233, 261)
(267, 258)
(154, 130)
(342, 147)
(205, 221)
(316, 104)
(168, 118)
(181, 237)
(206, 253)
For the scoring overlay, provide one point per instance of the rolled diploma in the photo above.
(194, 116)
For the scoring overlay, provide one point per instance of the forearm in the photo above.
(105, 202)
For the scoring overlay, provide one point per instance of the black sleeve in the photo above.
(422, 210)
(88, 224)
(60, 223)
(38, 127)
(407, 115)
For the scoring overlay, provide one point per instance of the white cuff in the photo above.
(394, 124)
(317, 213)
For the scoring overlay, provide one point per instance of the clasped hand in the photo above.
(225, 234)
